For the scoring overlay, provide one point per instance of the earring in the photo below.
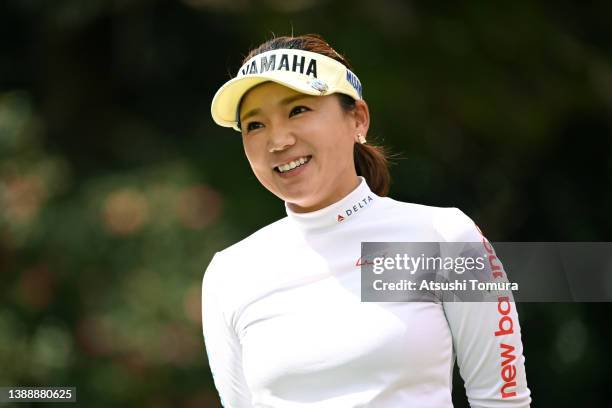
(361, 138)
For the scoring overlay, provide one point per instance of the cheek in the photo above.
(339, 143)
(338, 128)
(253, 151)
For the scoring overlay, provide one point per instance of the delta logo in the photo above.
(355, 208)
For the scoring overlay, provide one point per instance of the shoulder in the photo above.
(259, 240)
(242, 255)
(244, 270)
(448, 224)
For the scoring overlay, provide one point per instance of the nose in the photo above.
(281, 139)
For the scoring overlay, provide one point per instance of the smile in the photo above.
(283, 168)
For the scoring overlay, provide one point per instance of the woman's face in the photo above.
(282, 128)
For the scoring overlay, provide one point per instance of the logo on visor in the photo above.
(319, 85)
(299, 63)
(354, 81)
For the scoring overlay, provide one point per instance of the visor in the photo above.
(303, 71)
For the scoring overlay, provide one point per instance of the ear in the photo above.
(361, 119)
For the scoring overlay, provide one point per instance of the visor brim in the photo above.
(225, 102)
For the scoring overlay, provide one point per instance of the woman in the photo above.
(284, 325)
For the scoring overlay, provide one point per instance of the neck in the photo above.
(352, 206)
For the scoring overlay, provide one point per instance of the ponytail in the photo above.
(371, 163)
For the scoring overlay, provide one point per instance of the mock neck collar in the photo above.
(345, 210)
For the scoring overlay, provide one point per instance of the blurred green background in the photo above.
(116, 187)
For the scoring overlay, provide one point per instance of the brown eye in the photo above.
(253, 126)
(297, 110)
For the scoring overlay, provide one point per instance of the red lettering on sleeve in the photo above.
(486, 243)
(506, 394)
(501, 301)
(492, 259)
(508, 373)
(506, 326)
(508, 354)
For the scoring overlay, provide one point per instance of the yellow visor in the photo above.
(303, 71)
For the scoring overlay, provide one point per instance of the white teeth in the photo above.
(292, 165)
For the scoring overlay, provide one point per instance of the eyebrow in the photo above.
(282, 102)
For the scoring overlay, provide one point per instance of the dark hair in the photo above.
(371, 161)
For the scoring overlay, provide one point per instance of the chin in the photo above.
(297, 199)
(301, 199)
(300, 194)
(291, 193)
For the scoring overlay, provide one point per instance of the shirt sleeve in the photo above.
(487, 338)
(222, 344)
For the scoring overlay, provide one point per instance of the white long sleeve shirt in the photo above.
(284, 326)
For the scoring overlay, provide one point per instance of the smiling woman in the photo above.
(292, 330)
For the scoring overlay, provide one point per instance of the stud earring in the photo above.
(361, 138)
